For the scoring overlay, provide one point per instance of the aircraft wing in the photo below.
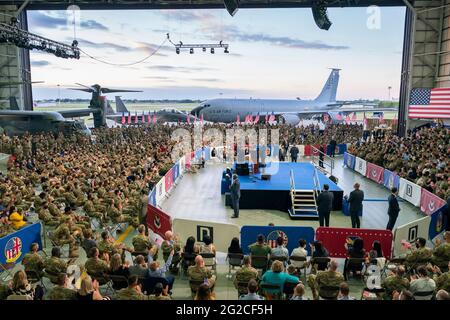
(76, 113)
(106, 90)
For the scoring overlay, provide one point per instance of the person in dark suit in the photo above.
(235, 190)
(333, 145)
(324, 206)
(294, 153)
(393, 209)
(355, 201)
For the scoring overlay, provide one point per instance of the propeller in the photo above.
(98, 88)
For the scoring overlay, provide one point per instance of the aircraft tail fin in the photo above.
(328, 93)
(109, 109)
(120, 106)
(13, 105)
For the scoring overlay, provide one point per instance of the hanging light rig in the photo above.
(203, 46)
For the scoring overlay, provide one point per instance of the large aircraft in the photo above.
(122, 114)
(289, 111)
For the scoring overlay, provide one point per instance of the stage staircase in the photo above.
(304, 204)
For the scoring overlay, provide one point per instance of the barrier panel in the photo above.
(391, 179)
(160, 191)
(152, 197)
(168, 180)
(430, 202)
(158, 221)
(410, 232)
(182, 165)
(438, 222)
(301, 149)
(349, 160)
(15, 245)
(291, 235)
(375, 173)
(220, 233)
(176, 171)
(333, 239)
(342, 148)
(360, 166)
(410, 191)
(188, 161)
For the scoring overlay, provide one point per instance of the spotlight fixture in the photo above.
(204, 49)
(11, 33)
(177, 50)
(191, 51)
(226, 50)
(320, 15)
(232, 6)
(212, 50)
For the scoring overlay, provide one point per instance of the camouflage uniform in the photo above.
(141, 244)
(33, 262)
(394, 283)
(441, 255)
(443, 281)
(62, 235)
(54, 210)
(5, 230)
(47, 218)
(418, 256)
(167, 248)
(91, 211)
(200, 274)
(54, 266)
(61, 293)
(130, 294)
(96, 266)
(244, 275)
(325, 278)
(117, 217)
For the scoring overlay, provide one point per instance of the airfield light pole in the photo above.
(389, 94)
(59, 95)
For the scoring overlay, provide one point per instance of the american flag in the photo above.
(430, 103)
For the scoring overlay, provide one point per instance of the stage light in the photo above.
(232, 6)
(204, 49)
(177, 50)
(191, 51)
(212, 50)
(320, 15)
(226, 50)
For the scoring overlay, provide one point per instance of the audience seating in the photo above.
(260, 262)
(33, 277)
(288, 289)
(103, 280)
(424, 294)
(234, 260)
(320, 261)
(324, 292)
(187, 260)
(300, 259)
(149, 284)
(267, 286)
(353, 264)
(118, 282)
(210, 260)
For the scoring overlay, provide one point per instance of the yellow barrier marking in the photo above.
(124, 235)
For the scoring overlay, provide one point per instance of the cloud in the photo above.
(43, 20)
(157, 77)
(179, 69)
(104, 45)
(40, 63)
(208, 80)
(187, 15)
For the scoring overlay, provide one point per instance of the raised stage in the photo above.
(274, 193)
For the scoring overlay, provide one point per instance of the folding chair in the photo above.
(322, 263)
(118, 282)
(265, 287)
(104, 281)
(210, 260)
(194, 284)
(421, 294)
(234, 260)
(6, 275)
(187, 260)
(300, 259)
(149, 284)
(260, 263)
(33, 277)
(288, 289)
(329, 292)
(283, 259)
(355, 264)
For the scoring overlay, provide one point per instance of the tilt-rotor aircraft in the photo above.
(289, 111)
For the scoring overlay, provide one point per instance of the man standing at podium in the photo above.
(235, 190)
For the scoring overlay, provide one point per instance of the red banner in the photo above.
(307, 150)
(158, 221)
(375, 173)
(430, 202)
(334, 239)
(168, 179)
(187, 164)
